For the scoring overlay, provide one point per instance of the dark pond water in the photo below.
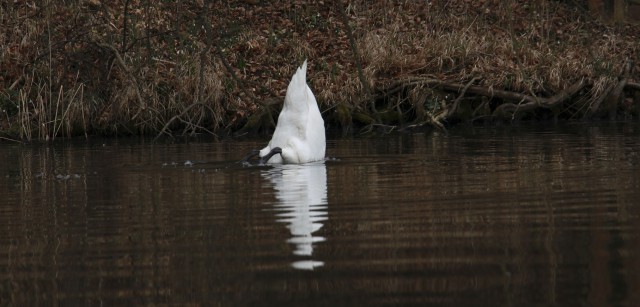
(485, 216)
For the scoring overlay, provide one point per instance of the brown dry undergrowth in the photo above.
(141, 67)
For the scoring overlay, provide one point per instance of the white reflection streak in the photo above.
(301, 190)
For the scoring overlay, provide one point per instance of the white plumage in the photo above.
(299, 136)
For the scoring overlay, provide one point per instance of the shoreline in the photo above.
(221, 68)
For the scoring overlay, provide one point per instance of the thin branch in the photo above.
(595, 105)
(356, 53)
(10, 139)
(456, 103)
(123, 65)
(232, 72)
(633, 86)
(179, 116)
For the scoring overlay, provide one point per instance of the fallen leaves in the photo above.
(527, 47)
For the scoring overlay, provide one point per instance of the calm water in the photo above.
(494, 216)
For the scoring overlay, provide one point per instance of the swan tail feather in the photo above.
(297, 90)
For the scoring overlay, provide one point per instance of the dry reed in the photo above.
(183, 68)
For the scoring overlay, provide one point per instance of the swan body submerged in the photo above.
(299, 136)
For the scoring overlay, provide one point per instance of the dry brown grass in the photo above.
(45, 112)
(534, 49)
(87, 67)
(541, 57)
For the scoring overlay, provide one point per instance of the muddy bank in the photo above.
(222, 67)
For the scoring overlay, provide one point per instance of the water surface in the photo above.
(494, 216)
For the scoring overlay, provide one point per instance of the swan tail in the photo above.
(297, 90)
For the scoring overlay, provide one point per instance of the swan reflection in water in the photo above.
(301, 190)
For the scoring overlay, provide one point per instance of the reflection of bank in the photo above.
(301, 191)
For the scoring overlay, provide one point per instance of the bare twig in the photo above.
(179, 116)
(632, 86)
(123, 65)
(595, 105)
(456, 103)
(232, 72)
(10, 139)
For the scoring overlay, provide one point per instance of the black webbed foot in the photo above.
(275, 150)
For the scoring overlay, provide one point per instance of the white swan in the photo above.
(299, 136)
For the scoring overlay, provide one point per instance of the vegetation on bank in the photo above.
(221, 67)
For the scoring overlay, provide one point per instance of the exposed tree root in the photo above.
(504, 104)
(510, 109)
